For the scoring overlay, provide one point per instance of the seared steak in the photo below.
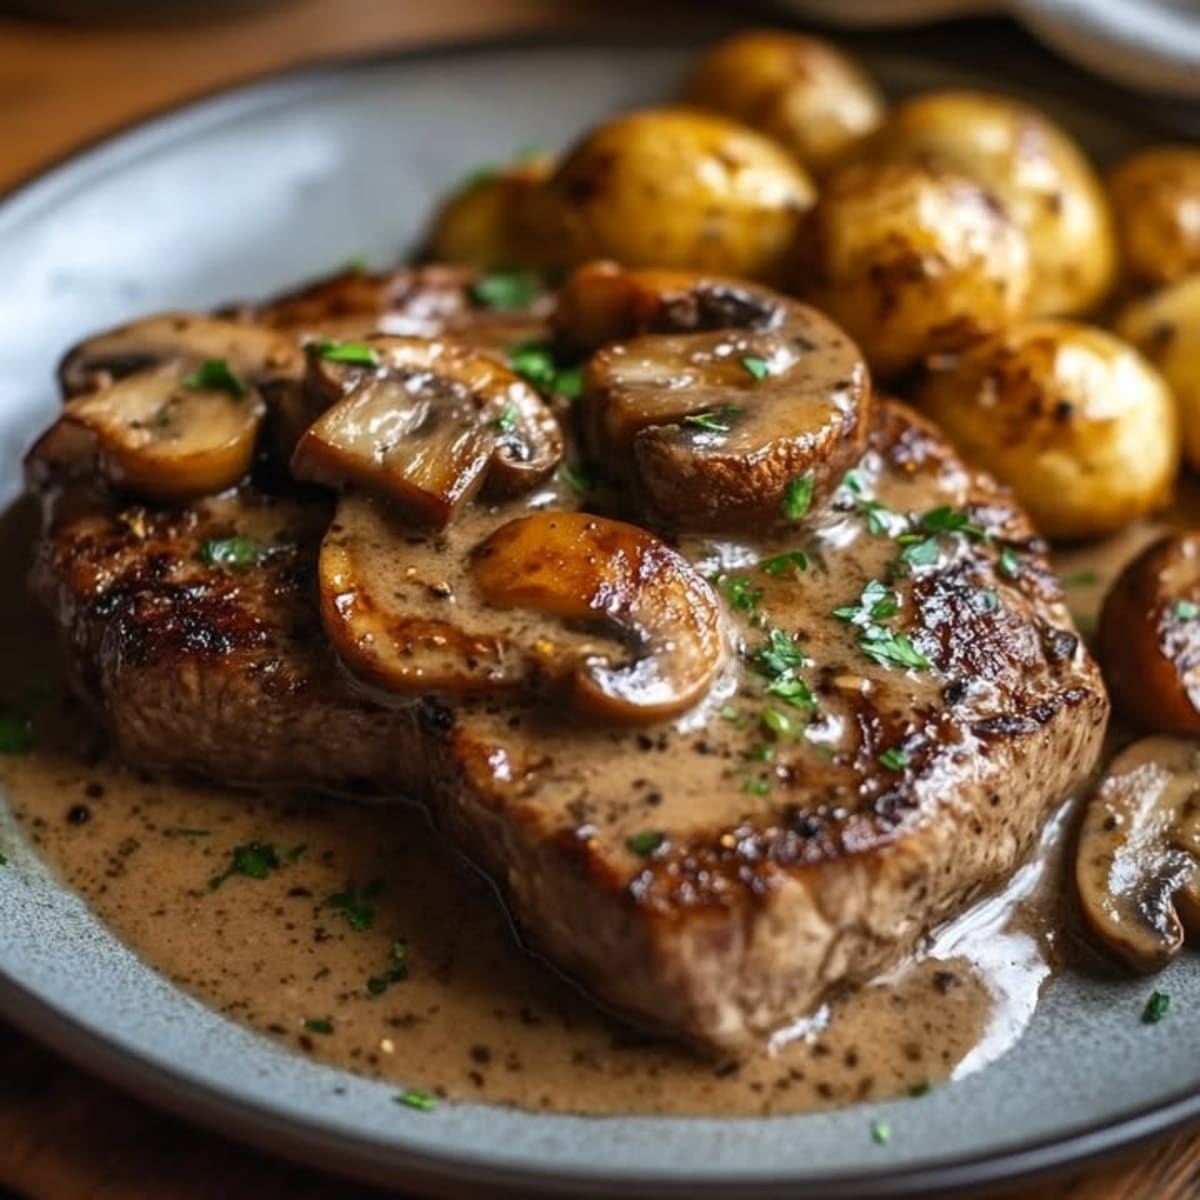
(712, 876)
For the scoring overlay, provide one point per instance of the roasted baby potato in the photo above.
(1156, 203)
(1033, 168)
(1165, 327)
(912, 262)
(671, 187)
(1081, 427)
(491, 221)
(808, 95)
(1149, 639)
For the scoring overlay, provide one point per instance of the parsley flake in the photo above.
(16, 734)
(1010, 563)
(645, 843)
(395, 972)
(894, 760)
(892, 649)
(506, 422)
(1156, 1008)
(506, 290)
(739, 590)
(574, 478)
(923, 553)
(215, 375)
(952, 520)
(1185, 610)
(356, 907)
(881, 1132)
(778, 723)
(758, 367)
(1081, 579)
(792, 691)
(238, 551)
(412, 1098)
(254, 860)
(922, 1088)
(797, 497)
(780, 655)
(780, 564)
(183, 832)
(760, 785)
(318, 1025)
(354, 354)
(715, 420)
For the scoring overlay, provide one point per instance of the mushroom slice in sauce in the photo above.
(165, 433)
(1149, 636)
(1138, 864)
(580, 567)
(716, 394)
(425, 424)
(254, 355)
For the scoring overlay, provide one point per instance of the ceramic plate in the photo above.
(262, 187)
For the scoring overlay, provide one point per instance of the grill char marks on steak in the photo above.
(700, 888)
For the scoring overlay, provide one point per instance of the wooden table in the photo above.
(62, 1134)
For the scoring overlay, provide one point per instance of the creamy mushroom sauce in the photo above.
(475, 1018)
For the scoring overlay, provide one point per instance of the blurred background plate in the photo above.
(266, 185)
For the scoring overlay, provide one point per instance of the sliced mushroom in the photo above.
(718, 395)
(425, 424)
(414, 613)
(580, 567)
(165, 434)
(1149, 636)
(1138, 864)
(253, 354)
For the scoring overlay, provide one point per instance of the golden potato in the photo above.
(912, 262)
(1165, 327)
(1033, 168)
(492, 220)
(1081, 427)
(802, 91)
(673, 187)
(1156, 204)
(1149, 637)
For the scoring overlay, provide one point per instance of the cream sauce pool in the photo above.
(368, 944)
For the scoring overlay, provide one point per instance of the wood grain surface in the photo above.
(64, 1135)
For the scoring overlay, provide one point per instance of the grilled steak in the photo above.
(714, 876)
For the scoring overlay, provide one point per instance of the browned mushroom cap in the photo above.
(1138, 863)
(1149, 636)
(167, 434)
(425, 424)
(719, 395)
(257, 356)
(580, 567)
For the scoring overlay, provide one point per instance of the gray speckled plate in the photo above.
(260, 188)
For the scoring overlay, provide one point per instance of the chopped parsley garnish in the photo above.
(296, 853)
(536, 364)
(506, 422)
(881, 1132)
(1010, 563)
(778, 723)
(758, 367)
(797, 497)
(1156, 1008)
(780, 655)
(922, 553)
(236, 551)
(574, 478)
(412, 1098)
(215, 375)
(1185, 610)
(187, 833)
(780, 564)
(952, 520)
(894, 760)
(714, 421)
(760, 785)
(569, 382)
(354, 354)
(395, 972)
(1082, 579)
(487, 173)
(792, 691)
(254, 860)
(3, 861)
(761, 753)
(921, 1088)
(318, 1025)
(853, 481)
(356, 907)
(892, 649)
(988, 601)
(16, 734)
(740, 591)
(506, 290)
(877, 603)
(645, 843)
(881, 521)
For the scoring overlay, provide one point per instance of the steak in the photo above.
(711, 877)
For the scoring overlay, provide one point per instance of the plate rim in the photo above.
(308, 1140)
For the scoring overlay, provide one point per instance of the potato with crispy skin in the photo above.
(1165, 327)
(804, 92)
(1033, 168)
(1149, 639)
(673, 187)
(1081, 427)
(912, 262)
(491, 220)
(1156, 204)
